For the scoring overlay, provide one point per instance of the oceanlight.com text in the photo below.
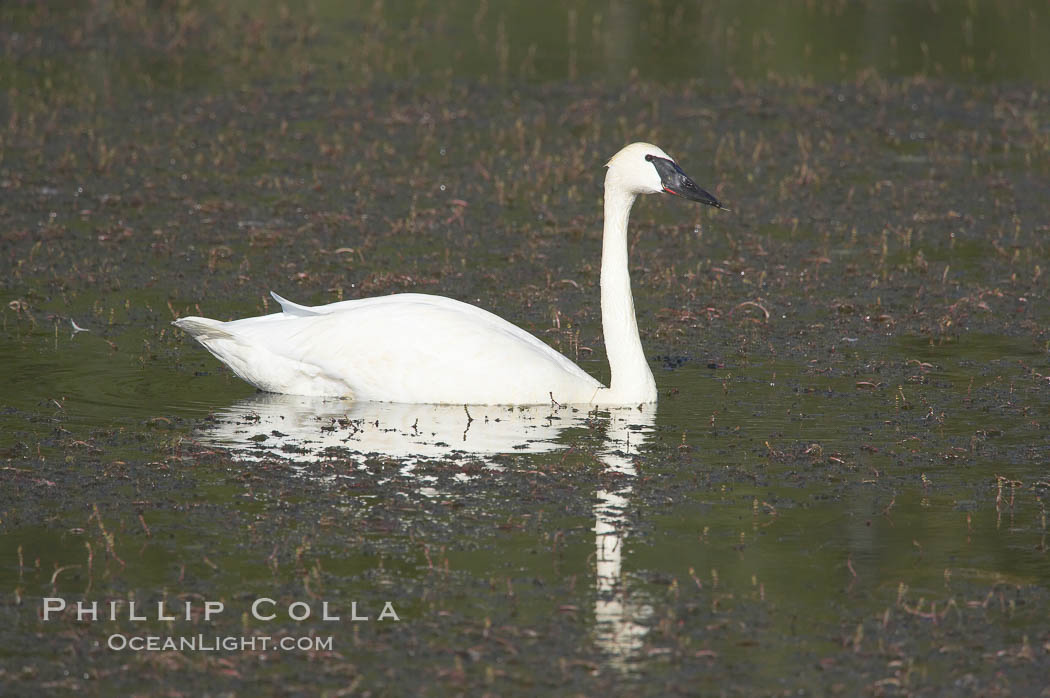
(217, 643)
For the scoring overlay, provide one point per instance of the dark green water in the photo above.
(842, 489)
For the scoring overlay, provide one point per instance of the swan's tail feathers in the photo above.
(290, 308)
(254, 350)
(203, 329)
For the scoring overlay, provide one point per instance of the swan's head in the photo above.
(642, 168)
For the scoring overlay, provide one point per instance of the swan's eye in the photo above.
(649, 157)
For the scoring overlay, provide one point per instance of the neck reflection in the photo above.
(620, 620)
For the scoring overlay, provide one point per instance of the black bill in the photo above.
(676, 182)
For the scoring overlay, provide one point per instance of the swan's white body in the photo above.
(409, 347)
(419, 348)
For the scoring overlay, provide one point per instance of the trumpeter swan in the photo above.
(418, 348)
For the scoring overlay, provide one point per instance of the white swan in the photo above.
(419, 348)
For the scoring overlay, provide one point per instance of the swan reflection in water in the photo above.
(301, 429)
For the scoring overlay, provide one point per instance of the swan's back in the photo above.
(402, 348)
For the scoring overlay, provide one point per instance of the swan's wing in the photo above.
(401, 348)
(294, 309)
(420, 348)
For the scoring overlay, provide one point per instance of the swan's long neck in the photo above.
(631, 381)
